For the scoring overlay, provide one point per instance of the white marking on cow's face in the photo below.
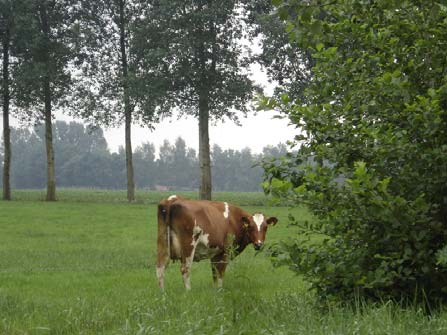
(227, 210)
(172, 197)
(258, 219)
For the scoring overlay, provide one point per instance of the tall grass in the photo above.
(88, 268)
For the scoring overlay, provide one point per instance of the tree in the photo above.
(375, 115)
(6, 23)
(145, 166)
(271, 151)
(109, 91)
(28, 167)
(42, 78)
(285, 64)
(235, 170)
(84, 159)
(12, 19)
(204, 63)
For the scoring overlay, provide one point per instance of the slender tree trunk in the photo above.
(51, 178)
(204, 148)
(127, 106)
(6, 128)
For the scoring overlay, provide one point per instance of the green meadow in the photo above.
(85, 265)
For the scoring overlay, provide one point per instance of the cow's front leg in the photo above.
(218, 266)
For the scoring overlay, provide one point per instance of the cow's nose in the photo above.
(258, 245)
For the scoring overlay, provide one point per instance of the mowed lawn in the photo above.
(74, 267)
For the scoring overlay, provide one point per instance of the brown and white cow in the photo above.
(193, 230)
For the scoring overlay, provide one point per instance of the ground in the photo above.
(85, 264)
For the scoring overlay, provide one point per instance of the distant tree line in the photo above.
(83, 159)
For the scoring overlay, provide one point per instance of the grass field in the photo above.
(85, 265)
(142, 196)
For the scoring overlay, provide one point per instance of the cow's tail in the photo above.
(164, 235)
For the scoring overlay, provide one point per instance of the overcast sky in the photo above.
(256, 132)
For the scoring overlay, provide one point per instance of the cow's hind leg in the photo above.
(162, 262)
(218, 266)
(163, 245)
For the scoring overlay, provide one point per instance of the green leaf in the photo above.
(319, 46)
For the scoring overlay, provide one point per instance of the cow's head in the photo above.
(256, 228)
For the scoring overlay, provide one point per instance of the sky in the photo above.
(256, 132)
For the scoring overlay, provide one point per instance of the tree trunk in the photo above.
(129, 160)
(51, 178)
(127, 106)
(6, 128)
(46, 82)
(204, 148)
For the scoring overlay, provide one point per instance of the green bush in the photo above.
(372, 158)
(369, 242)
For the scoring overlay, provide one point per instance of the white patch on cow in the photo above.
(175, 246)
(227, 210)
(187, 280)
(200, 243)
(172, 197)
(258, 219)
(197, 238)
(196, 230)
(203, 240)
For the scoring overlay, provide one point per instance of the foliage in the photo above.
(101, 82)
(44, 48)
(201, 54)
(285, 64)
(372, 162)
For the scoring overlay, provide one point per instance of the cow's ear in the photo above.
(245, 222)
(272, 220)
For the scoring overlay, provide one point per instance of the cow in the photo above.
(193, 230)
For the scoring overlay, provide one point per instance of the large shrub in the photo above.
(372, 160)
